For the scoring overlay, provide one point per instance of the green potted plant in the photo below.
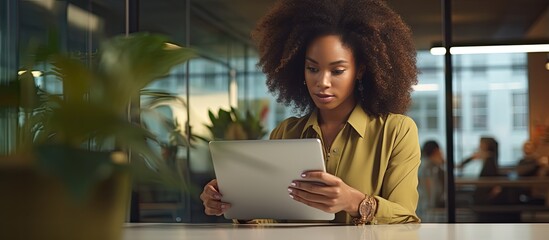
(231, 125)
(69, 176)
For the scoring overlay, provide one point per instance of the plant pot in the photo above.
(37, 206)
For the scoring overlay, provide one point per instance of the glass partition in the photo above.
(166, 117)
(8, 66)
(214, 80)
(492, 111)
(491, 101)
(77, 26)
(492, 90)
(428, 111)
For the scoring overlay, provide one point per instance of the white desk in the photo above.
(138, 231)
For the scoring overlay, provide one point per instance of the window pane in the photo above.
(8, 68)
(479, 110)
(520, 110)
(494, 105)
(428, 113)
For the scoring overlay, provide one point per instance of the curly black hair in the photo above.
(380, 41)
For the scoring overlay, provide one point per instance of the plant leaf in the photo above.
(75, 76)
(135, 61)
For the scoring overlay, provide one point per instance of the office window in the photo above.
(431, 112)
(210, 81)
(430, 72)
(478, 67)
(456, 108)
(479, 108)
(517, 154)
(518, 64)
(424, 111)
(414, 112)
(520, 111)
(280, 113)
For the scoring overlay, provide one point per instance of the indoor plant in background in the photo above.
(231, 125)
(68, 178)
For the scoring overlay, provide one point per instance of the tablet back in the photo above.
(254, 175)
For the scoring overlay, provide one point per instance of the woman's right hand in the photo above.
(211, 198)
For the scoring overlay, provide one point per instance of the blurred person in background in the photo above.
(532, 165)
(487, 153)
(431, 182)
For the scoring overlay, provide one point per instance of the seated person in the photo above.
(352, 75)
(488, 154)
(532, 165)
(431, 181)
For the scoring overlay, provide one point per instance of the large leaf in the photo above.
(154, 98)
(75, 75)
(131, 63)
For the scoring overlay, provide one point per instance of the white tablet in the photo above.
(254, 175)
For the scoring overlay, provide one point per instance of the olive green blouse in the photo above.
(378, 156)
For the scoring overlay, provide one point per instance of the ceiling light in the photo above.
(518, 48)
(48, 4)
(83, 19)
(34, 73)
(425, 87)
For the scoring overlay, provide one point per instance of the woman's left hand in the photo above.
(326, 192)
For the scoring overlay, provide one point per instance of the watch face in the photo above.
(362, 208)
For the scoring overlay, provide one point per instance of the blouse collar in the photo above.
(358, 121)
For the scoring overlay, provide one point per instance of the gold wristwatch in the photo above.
(366, 210)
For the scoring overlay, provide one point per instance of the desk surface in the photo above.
(138, 231)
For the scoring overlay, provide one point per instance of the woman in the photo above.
(350, 66)
(487, 153)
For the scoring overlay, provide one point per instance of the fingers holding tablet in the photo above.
(211, 199)
(326, 192)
